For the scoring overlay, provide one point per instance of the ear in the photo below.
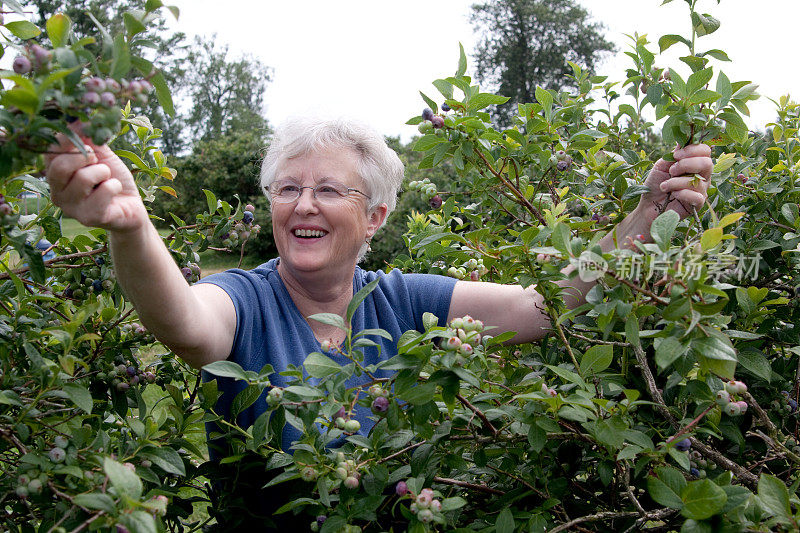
(375, 219)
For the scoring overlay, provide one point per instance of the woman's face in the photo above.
(315, 238)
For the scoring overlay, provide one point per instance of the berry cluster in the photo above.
(463, 336)
(243, 229)
(424, 505)
(191, 272)
(343, 421)
(561, 160)
(81, 282)
(125, 373)
(103, 96)
(698, 464)
(475, 267)
(431, 122)
(35, 58)
(791, 403)
(347, 471)
(380, 399)
(425, 186)
(726, 398)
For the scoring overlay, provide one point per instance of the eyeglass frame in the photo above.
(313, 192)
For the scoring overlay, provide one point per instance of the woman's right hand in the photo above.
(96, 189)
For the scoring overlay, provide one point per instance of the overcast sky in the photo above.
(370, 58)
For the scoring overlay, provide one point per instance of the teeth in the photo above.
(309, 233)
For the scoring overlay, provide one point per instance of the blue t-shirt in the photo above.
(270, 329)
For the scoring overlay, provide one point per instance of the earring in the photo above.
(367, 242)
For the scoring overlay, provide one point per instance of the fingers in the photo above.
(693, 150)
(82, 183)
(693, 159)
(687, 189)
(61, 167)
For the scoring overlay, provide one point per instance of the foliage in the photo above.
(226, 96)
(626, 416)
(528, 43)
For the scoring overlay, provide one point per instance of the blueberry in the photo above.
(131, 371)
(247, 217)
(792, 405)
(21, 65)
(683, 445)
(187, 273)
(321, 519)
(427, 114)
(95, 84)
(695, 472)
(437, 121)
(435, 202)
(401, 488)
(445, 108)
(97, 285)
(41, 54)
(380, 405)
(562, 166)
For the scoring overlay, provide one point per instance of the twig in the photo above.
(88, 521)
(763, 417)
(691, 424)
(605, 515)
(637, 288)
(652, 388)
(596, 341)
(401, 452)
(720, 460)
(478, 413)
(467, 485)
(775, 445)
(657, 515)
(524, 201)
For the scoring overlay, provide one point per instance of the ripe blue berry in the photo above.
(247, 217)
(695, 472)
(380, 405)
(683, 445)
(445, 108)
(427, 113)
(562, 166)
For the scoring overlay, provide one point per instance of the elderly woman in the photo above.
(331, 186)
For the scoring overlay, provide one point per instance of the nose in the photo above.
(306, 203)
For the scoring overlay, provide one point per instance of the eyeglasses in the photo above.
(328, 193)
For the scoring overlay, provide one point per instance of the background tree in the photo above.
(525, 43)
(225, 95)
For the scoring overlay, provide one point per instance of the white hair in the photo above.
(378, 165)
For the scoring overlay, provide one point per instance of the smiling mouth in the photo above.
(309, 233)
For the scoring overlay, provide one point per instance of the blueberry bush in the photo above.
(666, 402)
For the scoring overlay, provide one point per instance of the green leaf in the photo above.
(668, 40)
(462, 61)
(331, 319)
(121, 59)
(544, 97)
(451, 504)
(58, 27)
(359, 297)
(319, 366)
(710, 238)
(163, 94)
(80, 396)
(23, 29)
(667, 351)
(226, 369)
(663, 494)
(774, 497)
(596, 359)
(702, 499)
(663, 227)
(704, 24)
(211, 201)
(698, 80)
(166, 458)
(715, 347)
(505, 522)
(95, 500)
(419, 395)
(125, 481)
(481, 100)
(755, 362)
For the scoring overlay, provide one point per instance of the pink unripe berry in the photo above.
(741, 388)
(453, 343)
(41, 54)
(325, 345)
(425, 515)
(475, 275)
(469, 323)
(552, 393)
(401, 488)
(250, 207)
(466, 349)
(135, 87)
(21, 65)
(723, 397)
(146, 86)
(341, 473)
(437, 121)
(95, 84)
(742, 406)
(107, 99)
(113, 85)
(308, 473)
(341, 413)
(351, 482)
(457, 323)
(436, 505)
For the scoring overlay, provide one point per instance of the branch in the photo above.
(605, 515)
(477, 412)
(467, 485)
(521, 197)
(652, 388)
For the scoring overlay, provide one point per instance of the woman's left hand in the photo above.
(683, 181)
